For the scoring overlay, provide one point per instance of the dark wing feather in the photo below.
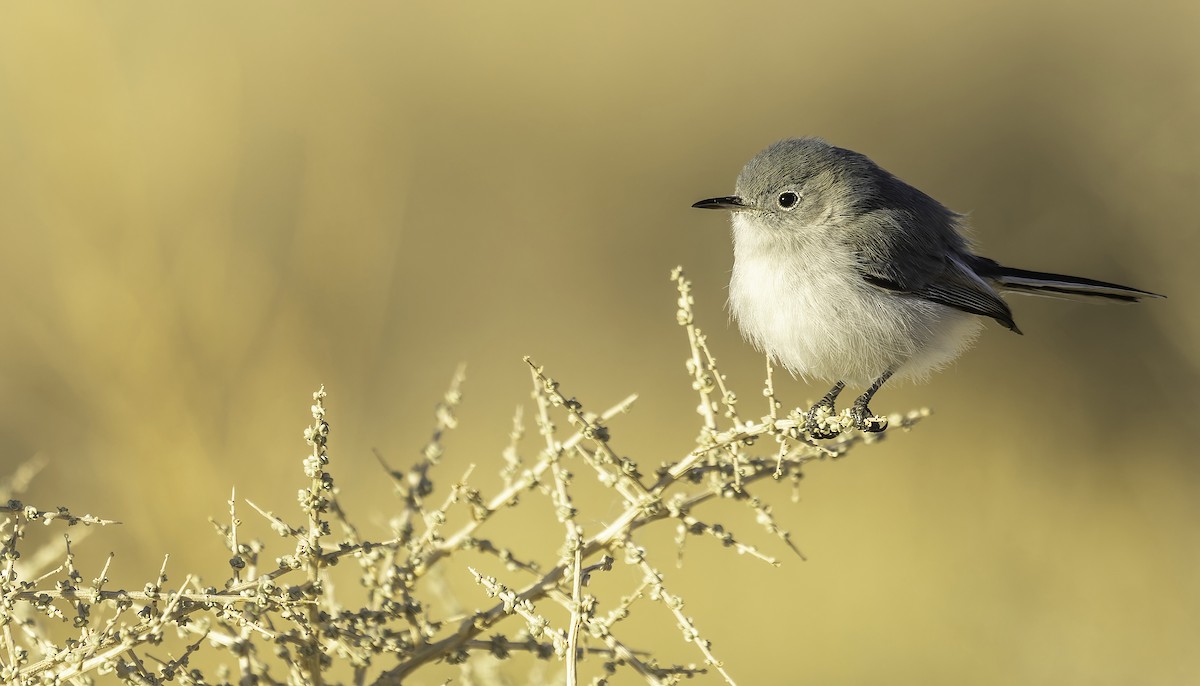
(966, 294)
(930, 263)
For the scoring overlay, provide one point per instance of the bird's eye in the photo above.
(788, 200)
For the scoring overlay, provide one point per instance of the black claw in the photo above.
(812, 423)
(864, 420)
(814, 427)
(861, 415)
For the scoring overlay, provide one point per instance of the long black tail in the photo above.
(1056, 285)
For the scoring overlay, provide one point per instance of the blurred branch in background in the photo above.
(279, 619)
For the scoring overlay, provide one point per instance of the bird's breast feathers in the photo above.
(813, 313)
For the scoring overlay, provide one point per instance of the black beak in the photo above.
(729, 202)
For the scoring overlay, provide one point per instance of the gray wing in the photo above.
(930, 264)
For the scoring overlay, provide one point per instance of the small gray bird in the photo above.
(843, 272)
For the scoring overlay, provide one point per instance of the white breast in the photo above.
(804, 304)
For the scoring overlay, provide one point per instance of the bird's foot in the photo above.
(863, 420)
(822, 422)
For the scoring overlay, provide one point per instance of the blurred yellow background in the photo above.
(208, 210)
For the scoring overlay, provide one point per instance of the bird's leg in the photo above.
(814, 421)
(861, 414)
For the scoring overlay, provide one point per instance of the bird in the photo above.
(843, 272)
